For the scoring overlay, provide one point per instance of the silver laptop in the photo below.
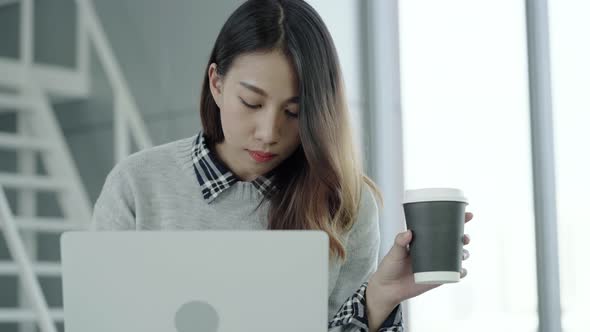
(195, 281)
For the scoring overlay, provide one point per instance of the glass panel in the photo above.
(466, 125)
(570, 52)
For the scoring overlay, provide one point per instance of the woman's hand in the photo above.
(393, 282)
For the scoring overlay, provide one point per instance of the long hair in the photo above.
(319, 186)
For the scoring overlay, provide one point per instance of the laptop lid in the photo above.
(206, 281)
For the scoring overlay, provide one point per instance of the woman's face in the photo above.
(259, 104)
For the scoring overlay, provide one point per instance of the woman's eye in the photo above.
(249, 105)
(292, 114)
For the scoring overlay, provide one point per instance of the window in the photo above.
(570, 57)
(466, 125)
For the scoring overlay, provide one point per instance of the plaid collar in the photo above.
(214, 177)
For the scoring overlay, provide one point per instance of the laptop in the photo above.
(195, 281)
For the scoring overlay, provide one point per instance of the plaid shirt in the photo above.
(352, 316)
(214, 178)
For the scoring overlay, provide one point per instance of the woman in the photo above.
(275, 153)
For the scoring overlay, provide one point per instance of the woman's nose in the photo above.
(268, 129)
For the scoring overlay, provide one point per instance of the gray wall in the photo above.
(162, 48)
(163, 52)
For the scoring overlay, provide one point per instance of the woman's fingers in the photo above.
(399, 249)
(466, 239)
(468, 216)
(465, 254)
(463, 272)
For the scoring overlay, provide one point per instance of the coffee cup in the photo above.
(436, 217)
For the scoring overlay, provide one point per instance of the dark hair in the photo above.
(319, 185)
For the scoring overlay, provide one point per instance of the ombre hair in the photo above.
(319, 186)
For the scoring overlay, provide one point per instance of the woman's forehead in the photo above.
(269, 71)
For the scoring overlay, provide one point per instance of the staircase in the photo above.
(27, 90)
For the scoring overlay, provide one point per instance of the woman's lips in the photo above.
(261, 157)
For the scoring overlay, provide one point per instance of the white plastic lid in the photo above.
(434, 194)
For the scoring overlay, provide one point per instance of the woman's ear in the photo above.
(215, 84)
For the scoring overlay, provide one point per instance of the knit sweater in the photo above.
(156, 189)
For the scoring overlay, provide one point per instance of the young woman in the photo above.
(275, 152)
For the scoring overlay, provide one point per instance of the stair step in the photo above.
(16, 141)
(10, 102)
(47, 225)
(45, 269)
(40, 182)
(24, 315)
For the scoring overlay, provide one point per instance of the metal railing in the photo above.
(127, 123)
(127, 116)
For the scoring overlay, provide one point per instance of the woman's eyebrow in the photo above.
(294, 100)
(254, 88)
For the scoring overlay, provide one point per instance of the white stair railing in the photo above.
(25, 269)
(39, 131)
(127, 116)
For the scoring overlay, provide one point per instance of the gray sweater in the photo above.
(157, 189)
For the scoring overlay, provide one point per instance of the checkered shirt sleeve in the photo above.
(352, 316)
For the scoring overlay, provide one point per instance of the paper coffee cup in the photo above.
(436, 217)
